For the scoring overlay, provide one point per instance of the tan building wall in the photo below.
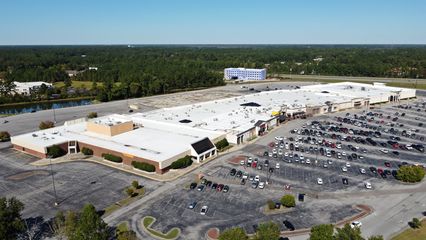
(109, 130)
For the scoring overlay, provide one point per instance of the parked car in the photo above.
(319, 181)
(289, 225)
(200, 188)
(192, 205)
(356, 224)
(367, 185)
(345, 181)
(226, 189)
(204, 210)
(233, 172)
(261, 185)
(193, 185)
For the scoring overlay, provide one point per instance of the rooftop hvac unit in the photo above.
(215, 119)
(252, 121)
(232, 122)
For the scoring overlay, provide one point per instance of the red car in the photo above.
(380, 171)
(254, 164)
(387, 164)
(219, 187)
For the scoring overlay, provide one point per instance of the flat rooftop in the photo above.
(155, 140)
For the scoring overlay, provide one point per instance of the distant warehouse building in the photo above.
(245, 74)
(26, 88)
(162, 136)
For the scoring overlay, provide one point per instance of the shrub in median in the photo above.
(288, 201)
(87, 151)
(46, 124)
(92, 115)
(410, 174)
(143, 166)
(271, 204)
(222, 144)
(181, 163)
(55, 151)
(112, 158)
(4, 136)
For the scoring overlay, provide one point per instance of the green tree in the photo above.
(410, 174)
(130, 192)
(90, 225)
(127, 235)
(45, 125)
(322, 232)
(4, 136)
(92, 115)
(135, 184)
(58, 225)
(271, 204)
(11, 223)
(236, 233)
(348, 233)
(415, 223)
(288, 201)
(268, 231)
(6, 87)
(378, 237)
(71, 220)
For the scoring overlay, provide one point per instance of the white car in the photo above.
(344, 169)
(274, 151)
(301, 157)
(367, 185)
(319, 181)
(409, 147)
(384, 150)
(279, 138)
(344, 153)
(204, 210)
(356, 224)
(308, 161)
(261, 185)
(242, 162)
(270, 154)
(277, 166)
(325, 165)
(257, 178)
(280, 152)
(348, 164)
(362, 170)
(285, 154)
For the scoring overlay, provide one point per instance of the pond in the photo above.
(34, 107)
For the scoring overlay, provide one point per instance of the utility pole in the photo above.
(54, 114)
(53, 182)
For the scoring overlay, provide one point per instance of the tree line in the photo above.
(124, 72)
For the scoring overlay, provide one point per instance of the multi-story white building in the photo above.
(26, 87)
(245, 74)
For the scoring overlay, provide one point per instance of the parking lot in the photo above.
(76, 184)
(335, 149)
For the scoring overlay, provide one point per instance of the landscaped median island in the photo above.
(133, 193)
(148, 221)
(413, 233)
(287, 202)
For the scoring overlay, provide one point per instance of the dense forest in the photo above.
(125, 72)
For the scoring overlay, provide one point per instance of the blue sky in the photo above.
(212, 22)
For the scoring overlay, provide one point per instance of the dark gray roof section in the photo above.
(203, 145)
(250, 104)
(258, 123)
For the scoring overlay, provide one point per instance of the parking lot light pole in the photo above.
(53, 181)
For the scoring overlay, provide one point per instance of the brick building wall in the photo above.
(127, 159)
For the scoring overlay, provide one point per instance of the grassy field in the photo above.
(139, 193)
(411, 234)
(172, 234)
(77, 84)
(122, 227)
